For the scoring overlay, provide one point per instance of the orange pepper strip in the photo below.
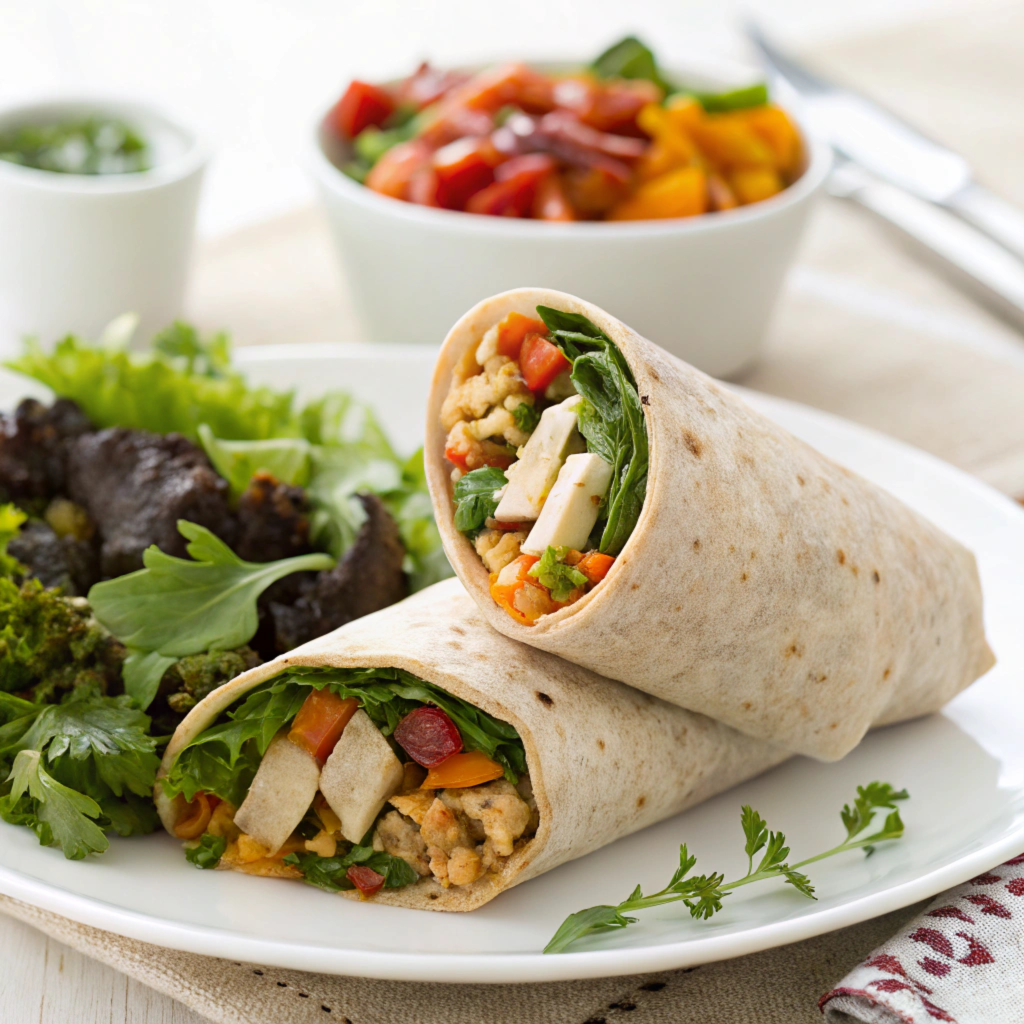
(321, 721)
(196, 818)
(513, 329)
(504, 594)
(754, 186)
(680, 193)
(470, 768)
(595, 566)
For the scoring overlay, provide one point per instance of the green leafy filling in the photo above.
(610, 417)
(474, 498)
(207, 852)
(526, 416)
(223, 759)
(559, 578)
(330, 872)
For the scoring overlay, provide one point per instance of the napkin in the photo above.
(962, 960)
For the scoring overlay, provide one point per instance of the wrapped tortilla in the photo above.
(601, 760)
(755, 581)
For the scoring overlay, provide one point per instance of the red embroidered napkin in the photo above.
(960, 961)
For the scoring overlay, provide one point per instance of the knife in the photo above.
(974, 262)
(891, 149)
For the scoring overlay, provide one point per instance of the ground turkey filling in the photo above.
(479, 416)
(453, 835)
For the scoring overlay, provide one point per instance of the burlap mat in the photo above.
(863, 331)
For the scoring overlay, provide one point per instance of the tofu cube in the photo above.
(571, 510)
(285, 784)
(532, 476)
(359, 776)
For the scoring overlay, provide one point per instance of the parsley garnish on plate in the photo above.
(703, 894)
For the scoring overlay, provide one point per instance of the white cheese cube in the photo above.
(359, 776)
(285, 784)
(571, 510)
(532, 476)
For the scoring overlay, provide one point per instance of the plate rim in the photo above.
(504, 968)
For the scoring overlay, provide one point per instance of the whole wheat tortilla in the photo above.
(605, 760)
(764, 585)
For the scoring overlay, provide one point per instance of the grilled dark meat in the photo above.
(367, 579)
(273, 521)
(33, 446)
(136, 486)
(67, 562)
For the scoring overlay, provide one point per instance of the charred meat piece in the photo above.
(367, 579)
(67, 562)
(33, 444)
(136, 486)
(273, 521)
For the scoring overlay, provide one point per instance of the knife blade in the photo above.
(975, 263)
(890, 148)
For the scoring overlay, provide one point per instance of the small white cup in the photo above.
(78, 250)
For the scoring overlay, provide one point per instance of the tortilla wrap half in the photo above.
(764, 585)
(604, 760)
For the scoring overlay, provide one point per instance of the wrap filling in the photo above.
(547, 439)
(354, 779)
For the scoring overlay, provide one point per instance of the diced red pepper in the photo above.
(365, 879)
(457, 458)
(497, 524)
(540, 362)
(514, 188)
(428, 736)
(321, 721)
(463, 168)
(362, 105)
(595, 566)
(507, 84)
(551, 201)
(392, 173)
(607, 106)
(513, 329)
(424, 187)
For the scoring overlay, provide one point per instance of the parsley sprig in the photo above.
(703, 894)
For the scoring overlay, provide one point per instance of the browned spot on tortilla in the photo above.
(653, 372)
(641, 800)
(854, 570)
(876, 577)
(841, 556)
(887, 673)
(732, 548)
(645, 400)
(795, 650)
(545, 699)
(743, 578)
(696, 545)
(679, 607)
(803, 711)
(800, 480)
(834, 725)
(694, 443)
(600, 744)
(747, 705)
(753, 555)
(636, 586)
(455, 644)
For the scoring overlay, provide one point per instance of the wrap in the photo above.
(604, 760)
(764, 585)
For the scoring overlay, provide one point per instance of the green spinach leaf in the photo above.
(610, 417)
(207, 852)
(330, 872)
(474, 498)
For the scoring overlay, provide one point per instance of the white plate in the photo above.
(964, 770)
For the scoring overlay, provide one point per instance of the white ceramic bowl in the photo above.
(78, 250)
(702, 287)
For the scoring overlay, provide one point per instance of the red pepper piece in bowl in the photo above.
(428, 736)
(514, 188)
(366, 880)
(362, 105)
